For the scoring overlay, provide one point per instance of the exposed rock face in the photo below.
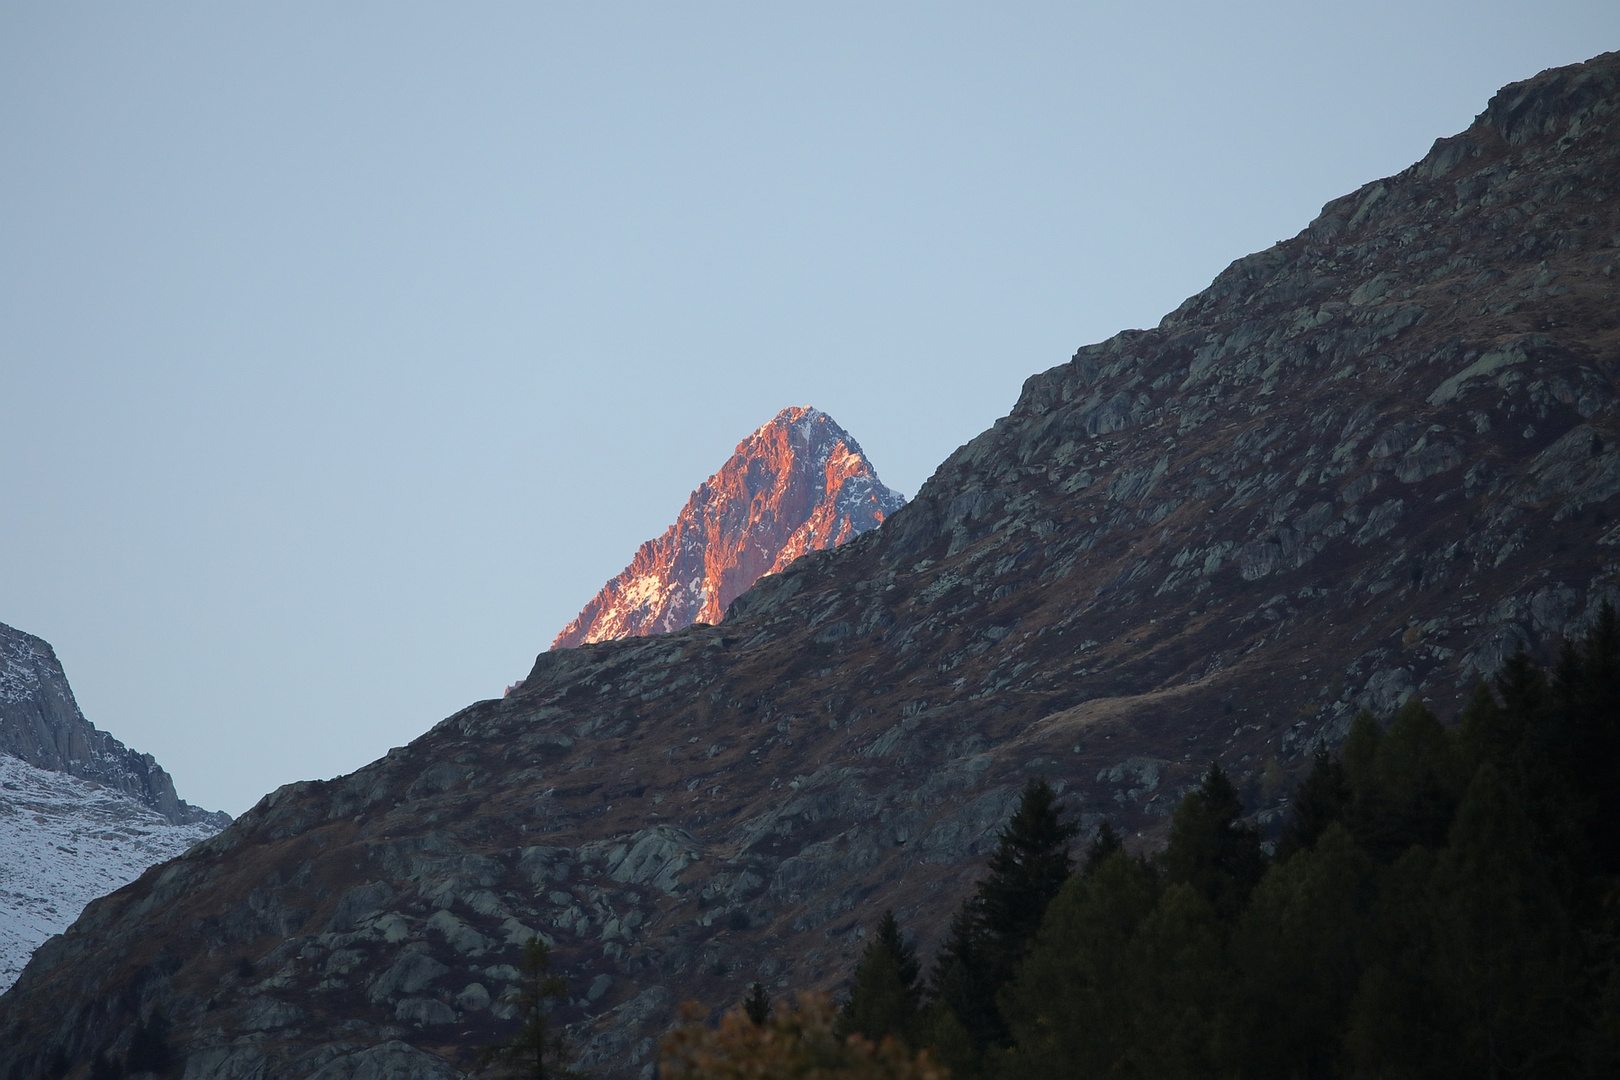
(41, 724)
(798, 484)
(1364, 463)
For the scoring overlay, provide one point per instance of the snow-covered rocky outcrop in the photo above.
(81, 814)
(800, 483)
(66, 841)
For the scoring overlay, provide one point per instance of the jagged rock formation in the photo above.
(1364, 463)
(41, 724)
(800, 483)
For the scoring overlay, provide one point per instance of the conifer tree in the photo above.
(1296, 952)
(1069, 1010)
(1104, 844)
(1407, 788)
(905, 957)
(757, 1005)
(1320, 800)
(1360, 749)
(1586, 702)
(532, 1053)
(1176, 988)
(1030, 864)
(961, 983)
(1485, 732)
(1504, 954)
(996, 924)
(947, 1039)
(1210, 849)
(1419, 764)
(883, 1001)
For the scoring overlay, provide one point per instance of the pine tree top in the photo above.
(888, 939)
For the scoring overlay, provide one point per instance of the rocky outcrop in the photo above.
(41, 724)
(81, 814)
(1365, 463)
(800, 483)
(67, 841)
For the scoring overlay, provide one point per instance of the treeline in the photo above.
(1442, 902)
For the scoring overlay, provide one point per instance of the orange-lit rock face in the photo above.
(798, 484)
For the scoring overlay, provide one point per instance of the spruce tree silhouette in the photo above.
(1104, 844)
(883, 1001)
(758, 1004)
(1210, 850)
(531, 1053)
(996, 924)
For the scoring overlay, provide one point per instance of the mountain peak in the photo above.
(798, 483)
(40, 724)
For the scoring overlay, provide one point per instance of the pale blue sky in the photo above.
(345, 350)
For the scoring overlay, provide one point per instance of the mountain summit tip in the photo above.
(799, 483)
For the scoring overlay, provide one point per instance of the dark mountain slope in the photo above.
(1362, 464)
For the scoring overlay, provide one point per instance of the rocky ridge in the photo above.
(40, 723)
(799, 483)
(1364, 463)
